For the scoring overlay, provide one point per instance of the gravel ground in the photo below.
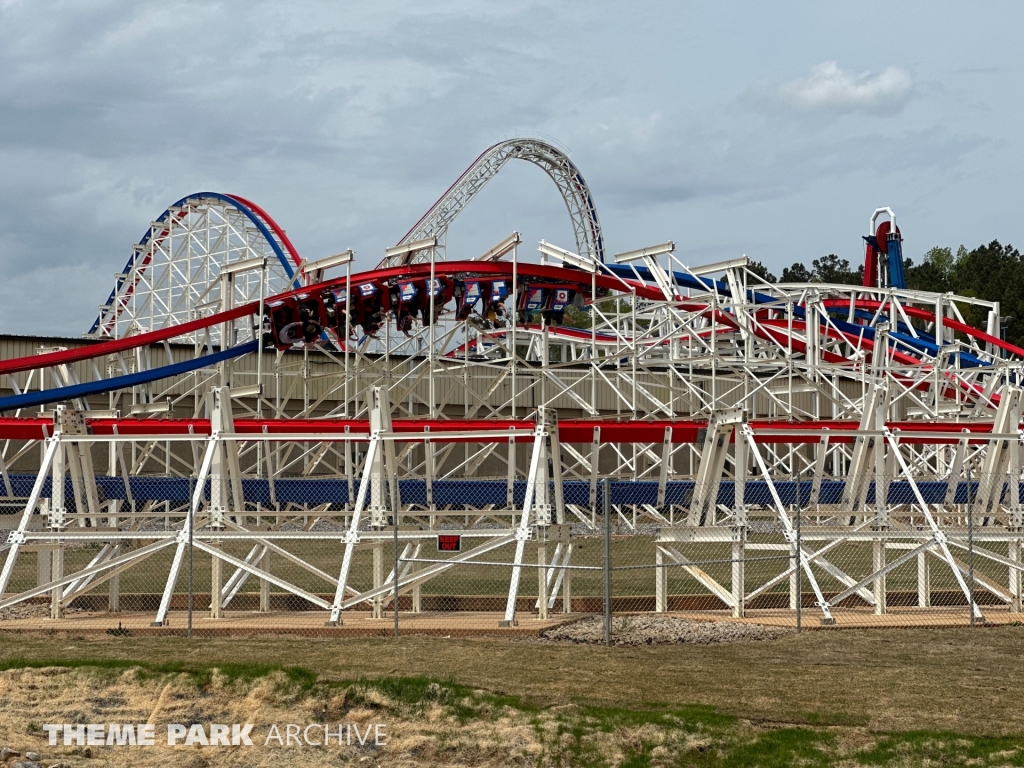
(660, 630)
(32, 611)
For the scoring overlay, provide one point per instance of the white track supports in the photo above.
(790, 534)
(536, 506)
(712, 464)
(417, 597)
(878, 566)
(739, 554)
(352, 539)
(182, 538)
(225, 487)
(56, 576)
(997, 461)
(385, 466)
(542, 579)
(377, 610)
(938, 536)
(1014, 555)
(566, 575)
(924, 581)
(264, 584)
(660, 581)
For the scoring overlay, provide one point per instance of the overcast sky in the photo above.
(771, 129)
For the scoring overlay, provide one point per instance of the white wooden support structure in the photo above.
(714, 452)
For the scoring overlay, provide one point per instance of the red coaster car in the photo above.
(407, 298)
(471, 293)
(443, 292)
(370, 306)
(336, 303)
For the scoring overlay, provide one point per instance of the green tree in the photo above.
(993, 272)
(828, 269)
(797, 273)
(832, 269)
(761, 271)
(578, 317)
(935, 272)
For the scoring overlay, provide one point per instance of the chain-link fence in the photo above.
(488, 556)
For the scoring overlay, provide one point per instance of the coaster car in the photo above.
(336, 303)
(544, 302)
(370, 306)
(296, 319)
(557, 301)
(468, 294)
(407, 298)
(443, 291)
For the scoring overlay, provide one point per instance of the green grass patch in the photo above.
(783, 748)
(417, 692)
(944, 748)
(201, 674)
(692, 717)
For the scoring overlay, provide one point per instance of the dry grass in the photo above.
(429, 723)
(889, 680)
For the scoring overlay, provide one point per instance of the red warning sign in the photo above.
(449, 543)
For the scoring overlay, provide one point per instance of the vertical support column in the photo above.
(606, 504)
(510, 476)
(534, 480)
(1014, 555)
(542, 575)
(663, 473)
(220, 490)
(739, 553)
(924, 580)
(794, 580)
(739, 528)
(660, 581)
(714, 453)
(567, 579)
(92, 499)
(417, 601)
(44, 569)
(877, 564)
(1016, 515)
(57, 521)
(352, 535)
(264, 584)
(56, 574)
(384, 467)
(884, 471)
(595, 461)
(378, 579)
(114, 584)
(348, 457)
(216, 583)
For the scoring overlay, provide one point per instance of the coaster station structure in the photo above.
(247, 406)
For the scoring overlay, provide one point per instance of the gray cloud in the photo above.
(346, 121)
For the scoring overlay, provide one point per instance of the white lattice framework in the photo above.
(173, 274)
(554, 162)
(887, 385)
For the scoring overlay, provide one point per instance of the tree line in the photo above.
(992, 272)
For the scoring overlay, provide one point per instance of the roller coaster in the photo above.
(249, 408)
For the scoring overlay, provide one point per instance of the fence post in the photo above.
(394, 518)
(606, 504)
(191, 523)
(970, 546)
(799, 560)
